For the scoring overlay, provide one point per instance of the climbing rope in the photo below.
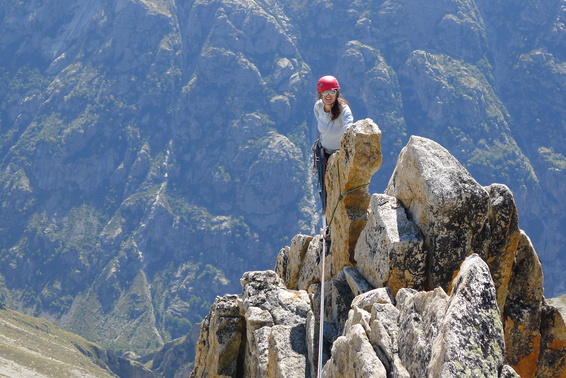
(342, 195)
(323, 266)
(321, 315)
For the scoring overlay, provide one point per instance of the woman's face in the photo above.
(328, 97)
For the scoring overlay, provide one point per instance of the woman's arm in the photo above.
(321, 121)
(347, 117)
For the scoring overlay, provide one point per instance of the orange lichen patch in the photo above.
(502, 286)
(399, 279)
(451, 284)
(394, 283)
(557, 344)
(528, 365)
(501, 267)
(508, 325)
(514, 243)
(553, 349)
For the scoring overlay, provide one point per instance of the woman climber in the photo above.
(333, 117)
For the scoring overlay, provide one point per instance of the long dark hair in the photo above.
(336, 106)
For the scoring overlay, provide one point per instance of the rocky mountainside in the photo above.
(152, 151)
(435, 279)
(33, 347)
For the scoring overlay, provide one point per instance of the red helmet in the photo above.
(327, 83)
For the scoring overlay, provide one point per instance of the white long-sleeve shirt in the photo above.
(331, 131)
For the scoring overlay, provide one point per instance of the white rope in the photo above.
(321, 315)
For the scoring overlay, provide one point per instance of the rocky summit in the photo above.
(432, 278)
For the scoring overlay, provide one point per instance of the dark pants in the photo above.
(321, 156)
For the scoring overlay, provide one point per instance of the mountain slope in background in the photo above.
(154, 150)
(32, 347)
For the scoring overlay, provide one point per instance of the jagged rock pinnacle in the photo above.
(433, 278)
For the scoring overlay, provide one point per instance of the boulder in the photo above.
(457, 335)
(258, 326)
(419, 319)
(263, 332)
(455, 214)
(310, 266)
(353, 356)
(535, 335)
(220, 338)
(445, 202)
(288, 352)
(276, 321)
(470, 340)
(503, 238)
(552, 362)
(366, 300)
(339, 297)
(385, 332)
(522, 311)
(389, 251)
(265, 290)
(290, 260)
(358, 284)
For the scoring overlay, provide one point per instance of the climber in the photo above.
(333, 117)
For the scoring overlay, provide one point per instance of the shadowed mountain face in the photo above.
(153, 151)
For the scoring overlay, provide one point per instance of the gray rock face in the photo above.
(263, 333)
(470, 334)
(418, 334)
(447, 204)
(419, 320)
(390, 250)
(126, 99)
(353, 356)
(370, 332)
(222, 331)
(290, 260)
